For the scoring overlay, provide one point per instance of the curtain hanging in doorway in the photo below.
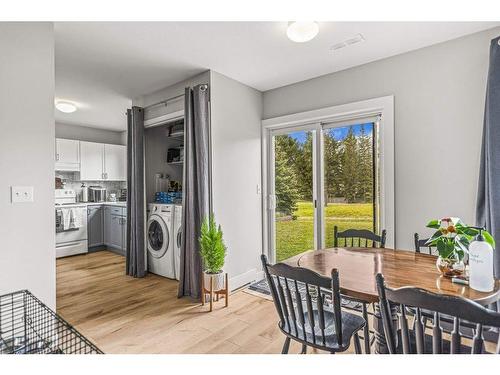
(196, 188)
(136, 262)
(488, 203)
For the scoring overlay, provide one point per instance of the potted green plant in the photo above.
(452, 239)
(213, 252)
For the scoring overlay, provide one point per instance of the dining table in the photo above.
(358, 268)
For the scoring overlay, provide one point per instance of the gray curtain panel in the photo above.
(196, 187)
(488, 203)
(136, 263)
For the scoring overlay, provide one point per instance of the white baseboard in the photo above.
(238, 281)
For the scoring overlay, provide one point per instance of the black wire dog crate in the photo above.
(27, 326)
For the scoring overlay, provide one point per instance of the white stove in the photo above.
(65, 196)
(71, 238)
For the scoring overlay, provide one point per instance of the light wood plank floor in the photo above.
(121, 314)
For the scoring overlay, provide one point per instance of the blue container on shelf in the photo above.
(168, 197)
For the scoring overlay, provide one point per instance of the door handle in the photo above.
(68, 244)
(272, 202)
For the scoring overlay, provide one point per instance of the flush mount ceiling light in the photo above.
(65, 107)
(301, 32)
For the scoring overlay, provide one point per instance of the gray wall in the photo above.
(85, 133)
(27, 235)
(236, 113)
(439, 94)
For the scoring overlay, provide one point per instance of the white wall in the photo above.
(85, 133)
(27, 236)
(236, 112)
(439, 94)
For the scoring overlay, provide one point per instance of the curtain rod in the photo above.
(165, 101)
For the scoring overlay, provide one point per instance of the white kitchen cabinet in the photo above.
(67, 156)
(102, 162)
(91, 161)
(115, 162)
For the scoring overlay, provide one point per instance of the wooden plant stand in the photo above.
(209, 289)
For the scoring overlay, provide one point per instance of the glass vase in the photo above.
(451, 266)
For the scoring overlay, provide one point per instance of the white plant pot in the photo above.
(218, 280)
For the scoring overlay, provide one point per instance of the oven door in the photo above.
(71, 235)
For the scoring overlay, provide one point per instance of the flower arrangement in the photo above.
(452, 239)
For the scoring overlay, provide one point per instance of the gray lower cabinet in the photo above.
(95, 226)
(124, 232)
(115, 228)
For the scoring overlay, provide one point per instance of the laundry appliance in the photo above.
(161, 240)
(178, 239)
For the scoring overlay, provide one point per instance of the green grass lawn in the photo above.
(296, 236)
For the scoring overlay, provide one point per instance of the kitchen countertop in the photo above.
(119, 204)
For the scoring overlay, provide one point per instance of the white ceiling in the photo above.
(102, 66)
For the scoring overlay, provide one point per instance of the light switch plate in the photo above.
(21, 194)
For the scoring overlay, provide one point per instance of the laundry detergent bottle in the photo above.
(481, 264)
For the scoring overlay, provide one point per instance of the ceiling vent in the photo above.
(348, 42)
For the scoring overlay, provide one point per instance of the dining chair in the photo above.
(421, 244)
(309, 309)
(420, 340)
(364, 237)
(359, 238)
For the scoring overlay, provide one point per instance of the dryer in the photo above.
(178, 239)
(161, 240)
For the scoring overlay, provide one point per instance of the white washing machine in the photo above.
(161, 240)
(178, 238)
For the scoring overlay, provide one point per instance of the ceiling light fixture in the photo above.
(66, 107)
(301, 32)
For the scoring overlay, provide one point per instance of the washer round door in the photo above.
(158, 236)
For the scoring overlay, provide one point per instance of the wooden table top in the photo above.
(359, 266)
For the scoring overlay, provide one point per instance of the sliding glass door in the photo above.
(349, 170)
(320, 176)
(292, 207)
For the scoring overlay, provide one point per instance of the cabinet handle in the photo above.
(57, 157)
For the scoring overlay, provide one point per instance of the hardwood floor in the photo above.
(121, 314)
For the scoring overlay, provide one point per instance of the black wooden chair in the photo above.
(421, 245)
(309, 309)
(359, 238)
(420, 340)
